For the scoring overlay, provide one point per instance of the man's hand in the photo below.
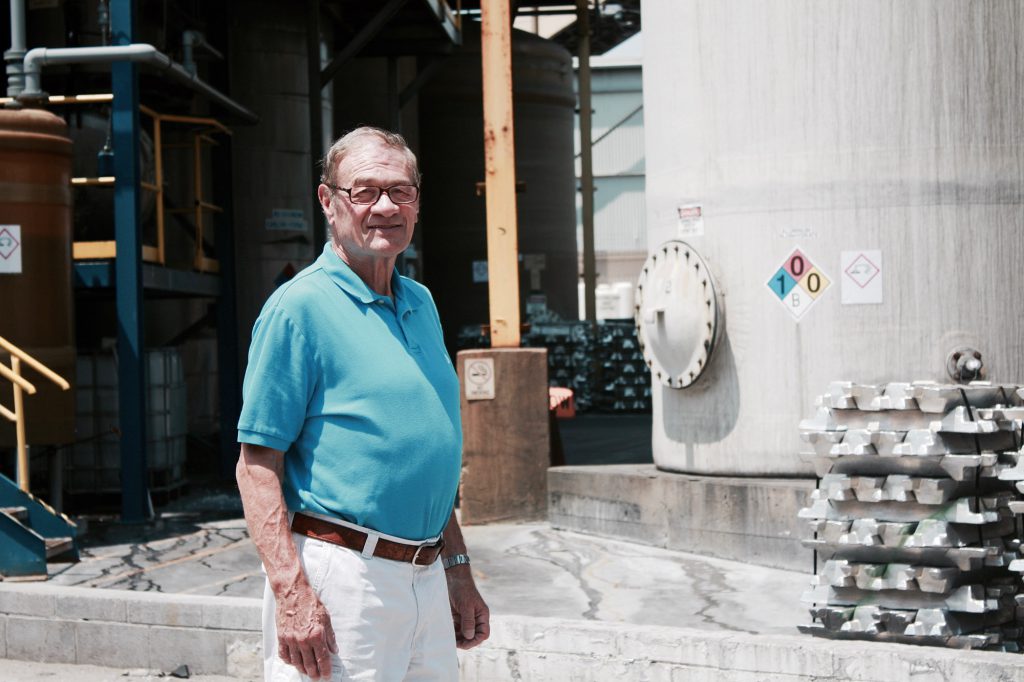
(470, 615)
(305, 638)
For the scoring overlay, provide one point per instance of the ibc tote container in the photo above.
(95, 464)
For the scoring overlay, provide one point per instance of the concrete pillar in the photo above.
(505, 452)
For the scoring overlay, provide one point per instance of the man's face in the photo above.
(366, 232)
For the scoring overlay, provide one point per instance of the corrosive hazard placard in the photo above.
(480, 379)
(10, 249)
(862, 277)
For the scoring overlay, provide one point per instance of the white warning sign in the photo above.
(862, 277)
(10, 249)
(480, 379)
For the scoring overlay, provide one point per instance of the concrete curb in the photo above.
(221, 635)
(555, 650)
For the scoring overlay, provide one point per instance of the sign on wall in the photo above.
(480, 379)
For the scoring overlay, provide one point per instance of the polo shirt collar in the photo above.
(353, 285)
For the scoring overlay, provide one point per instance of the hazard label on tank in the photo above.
(10, 249)
(798, 283)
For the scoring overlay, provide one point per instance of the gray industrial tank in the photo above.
(851, 176)
(452, 214)
(273, 179)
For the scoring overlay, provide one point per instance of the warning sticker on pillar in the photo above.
(480, 379)
(798, 283)
(10, 249)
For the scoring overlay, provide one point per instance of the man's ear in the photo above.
(323, 195)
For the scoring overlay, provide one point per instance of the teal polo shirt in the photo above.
(359, 392)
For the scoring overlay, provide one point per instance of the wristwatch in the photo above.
(454, 560)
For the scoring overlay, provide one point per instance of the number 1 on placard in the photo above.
(782, 285)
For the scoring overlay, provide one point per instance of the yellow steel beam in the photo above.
(500, 174)
(69, 99)
(207, 264)
(94, 250)
(106, 180)
(158, 144)
(99, 250)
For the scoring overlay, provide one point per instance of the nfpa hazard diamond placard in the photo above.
(798, 283)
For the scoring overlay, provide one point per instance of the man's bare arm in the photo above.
(304, 634)
(470, 615)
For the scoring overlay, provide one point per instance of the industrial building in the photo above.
(227, 113)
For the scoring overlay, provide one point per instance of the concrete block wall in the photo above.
(118, 628)
(743, 519)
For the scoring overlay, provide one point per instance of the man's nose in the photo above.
(384, 204)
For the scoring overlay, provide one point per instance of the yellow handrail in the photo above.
(34, 364)
(84, 250)
(22, 386)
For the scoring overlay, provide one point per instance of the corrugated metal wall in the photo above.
(618, 148)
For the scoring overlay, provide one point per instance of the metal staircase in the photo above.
(31, 531)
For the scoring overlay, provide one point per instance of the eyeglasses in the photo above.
(399, 194)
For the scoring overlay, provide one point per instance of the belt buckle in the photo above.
(439, 545)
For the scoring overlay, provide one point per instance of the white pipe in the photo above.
(142, 53)
(18, 25)
(14, 56)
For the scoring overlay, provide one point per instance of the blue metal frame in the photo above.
(100, 274)
(228, 379)
(131, 368)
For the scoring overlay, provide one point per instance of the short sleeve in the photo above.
(279, 382)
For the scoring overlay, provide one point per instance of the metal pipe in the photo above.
(141, 53)
(586, 163)
(189, 41)
(14, 56)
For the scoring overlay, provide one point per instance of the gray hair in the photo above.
(346, 143)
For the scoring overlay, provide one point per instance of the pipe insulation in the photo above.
(140, 53)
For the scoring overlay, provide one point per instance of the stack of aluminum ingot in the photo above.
(916, 518)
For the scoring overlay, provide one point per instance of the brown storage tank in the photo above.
(35, 268)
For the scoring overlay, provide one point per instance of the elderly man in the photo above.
(351, 446)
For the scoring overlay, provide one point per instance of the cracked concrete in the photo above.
(521, 569)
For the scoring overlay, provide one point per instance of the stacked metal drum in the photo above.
(916, 520)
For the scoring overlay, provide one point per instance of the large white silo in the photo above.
(879, 141)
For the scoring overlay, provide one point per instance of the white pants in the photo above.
(391, 619)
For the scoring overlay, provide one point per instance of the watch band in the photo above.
(454, 560)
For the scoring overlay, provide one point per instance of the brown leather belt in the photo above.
(319, 529)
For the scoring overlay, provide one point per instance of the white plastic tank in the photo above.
(851, 175)
(613, 301)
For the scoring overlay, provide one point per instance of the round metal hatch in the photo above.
(677, 314)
